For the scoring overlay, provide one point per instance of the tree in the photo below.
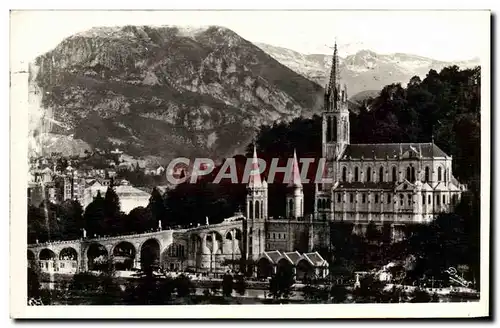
(138, 220)
(71, 219)
(372, 233)
(33, 283)
(94, 216)
(338, 294)
(112, 211)
(280, 286)
(227, 285)
(157, 207)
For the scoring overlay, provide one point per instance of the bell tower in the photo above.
(335, 116)
(335, 137)
(256, 211)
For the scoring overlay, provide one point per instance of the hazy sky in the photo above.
(444, 35)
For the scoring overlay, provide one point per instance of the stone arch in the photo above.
(97, 256)
(150, 252)
(195, 244)
(264, 268)
(328, 129)
(68, 254)
(346, 130)
(238, 234)
(124, 254)
(305, 270)
(214, 242)
(284, 266)
(334, 129)
(229, 235)
(172, 255)
(257, 209)
(47, 254)
(195, 249)
(250, 210)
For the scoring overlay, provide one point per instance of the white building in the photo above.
(130, 197)
(398, 183)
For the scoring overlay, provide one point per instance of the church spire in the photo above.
(295, 179)
(334, 74)
(254, 179)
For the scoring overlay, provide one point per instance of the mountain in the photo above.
(362, 71)
(165, 91)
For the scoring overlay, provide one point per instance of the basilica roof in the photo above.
(366, 185)
(392, 150)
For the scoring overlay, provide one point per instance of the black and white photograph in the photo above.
(173, 159)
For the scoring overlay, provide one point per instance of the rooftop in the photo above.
(392, 150)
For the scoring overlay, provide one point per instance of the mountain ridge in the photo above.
(164, 92)
(364, 70)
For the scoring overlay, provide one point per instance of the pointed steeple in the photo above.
(334, 73)
(295, 178)
(254, 178)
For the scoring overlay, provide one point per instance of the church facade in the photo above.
(395, 184)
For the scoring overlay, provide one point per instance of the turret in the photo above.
(295, 195)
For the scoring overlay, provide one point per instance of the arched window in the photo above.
(394, 174)
(339, 198)
(328, 128)
(344, 174)
(345, 130)
(445, 175)
(356, 174)
(401, 199)
(334, 129)
(409, 199)
(257, 209)
(413, 177)
(439, 174)
(250, 212)
(427, 174)
(290, 207)
(423, 199)
(381, 174)
(369, 174)
(408, 173)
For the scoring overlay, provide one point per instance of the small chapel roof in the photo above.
(391, 150)
(316, 259)
(295, 257)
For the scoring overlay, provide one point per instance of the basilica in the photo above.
(395, 184)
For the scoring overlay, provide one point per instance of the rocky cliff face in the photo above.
(362, 71)
(166, 91)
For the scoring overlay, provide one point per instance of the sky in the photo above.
(442, 35)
